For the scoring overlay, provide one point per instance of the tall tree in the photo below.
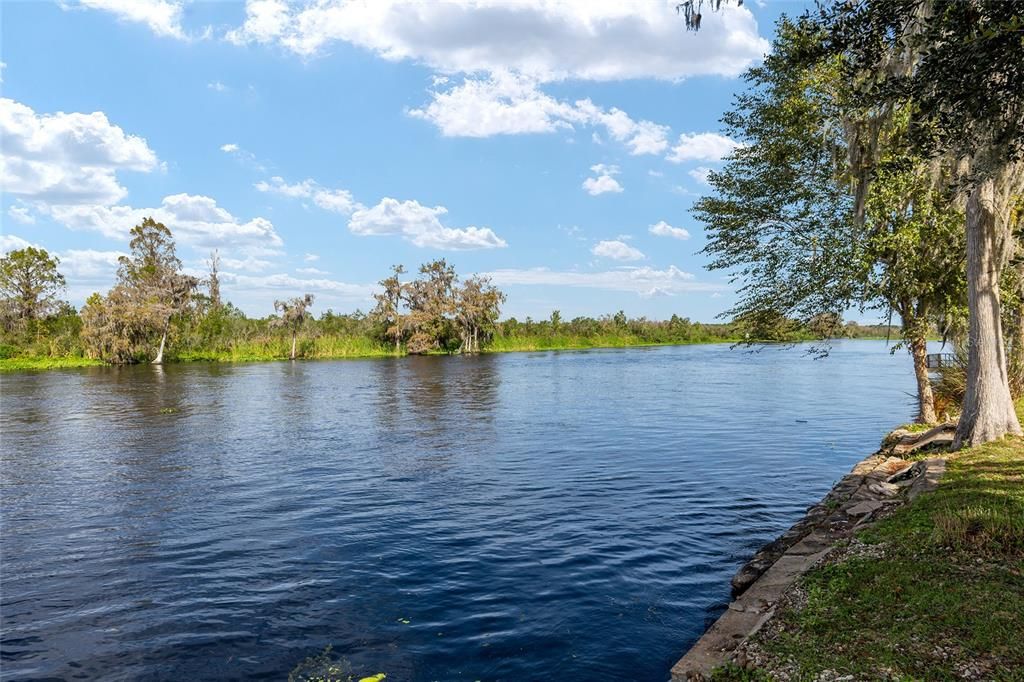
(389, 305)
(213, 283)
(957, 66)
(293, 314)
(153, 272)
(30, 283)
(431, 301)
(805, 246)
(478, 304)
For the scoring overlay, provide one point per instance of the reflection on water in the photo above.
(564, 515)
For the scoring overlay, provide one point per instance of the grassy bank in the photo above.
(331, 347)
(340, 348)
(37, 362)
(936, 591)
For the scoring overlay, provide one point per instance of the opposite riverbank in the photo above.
(356, 348)
(925, 588)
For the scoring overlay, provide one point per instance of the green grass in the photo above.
(947, 593)
(26, 363)
(513, 344)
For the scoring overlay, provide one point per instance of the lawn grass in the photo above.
(945, 600)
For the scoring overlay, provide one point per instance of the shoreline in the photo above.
(870, 582)
(36, 363)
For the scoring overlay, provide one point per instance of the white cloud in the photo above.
(243, 156)
(580, 39)
(248, 263)
(10, 242)
(288, 283)
(89, 265)
(311, 258)
(700, 174)
(66, 158)
(21, 214)
(420, 225)
(663, 229)
(193, 219)
(701, 147)
(334, 200)
(638, 280)
(504, 103)
(163, 17)
(311, 271)
(617, 250)
(217, 86)
(603, 182)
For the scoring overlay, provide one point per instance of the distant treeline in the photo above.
(156, 312)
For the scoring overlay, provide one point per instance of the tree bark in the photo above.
(159, 360)
(925, 399)
(988, 411)
(294, 336)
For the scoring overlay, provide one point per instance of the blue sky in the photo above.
(556, 146)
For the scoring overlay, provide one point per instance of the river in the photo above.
(557, 515)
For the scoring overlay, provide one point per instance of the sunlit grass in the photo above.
(26, 363)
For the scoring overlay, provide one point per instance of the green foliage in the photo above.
(151, 289)
(29, 285)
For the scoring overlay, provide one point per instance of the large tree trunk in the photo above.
(925, 400)
(294, 336)
(988, 411)
(159, 360)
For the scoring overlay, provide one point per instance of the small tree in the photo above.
(293, 314)
(30, 284)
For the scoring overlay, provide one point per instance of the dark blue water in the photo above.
(570, 516)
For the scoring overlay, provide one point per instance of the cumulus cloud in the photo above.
(663, 229)
(163, 17)
(311, 257)
(67, 158)
(21, 214)
(504, 103)
(217, 86)
(420, 225)
(617, 250)
(311, 271)
(195, 220)
(602, 182)
(334, 200)
(579, 39)
(638, 280)
(701, 147)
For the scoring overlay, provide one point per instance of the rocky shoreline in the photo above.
(877, 484)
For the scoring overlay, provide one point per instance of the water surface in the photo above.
(572, 515)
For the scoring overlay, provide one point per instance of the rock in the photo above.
(865, 507)
(907, 473)
(884, 489)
